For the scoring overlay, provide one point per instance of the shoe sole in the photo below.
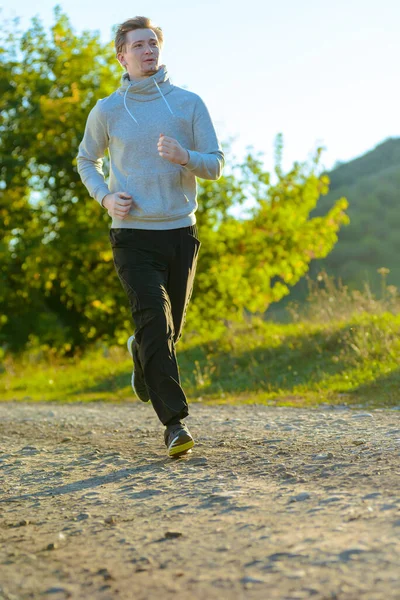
(181, 449)
(129, 345)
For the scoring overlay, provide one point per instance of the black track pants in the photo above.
(157, 270)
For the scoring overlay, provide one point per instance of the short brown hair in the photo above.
(130, 25)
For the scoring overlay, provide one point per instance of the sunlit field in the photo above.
(340, 347)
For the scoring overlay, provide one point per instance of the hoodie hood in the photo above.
(148, 88)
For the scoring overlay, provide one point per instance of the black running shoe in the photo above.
(138, 382)
(178, 440)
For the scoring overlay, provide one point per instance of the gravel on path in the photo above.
(272, 503)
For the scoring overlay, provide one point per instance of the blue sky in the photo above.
(321, 73)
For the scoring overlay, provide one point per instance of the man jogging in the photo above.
(160, 137)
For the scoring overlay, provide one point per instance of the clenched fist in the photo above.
(170, 149)
(118, 204)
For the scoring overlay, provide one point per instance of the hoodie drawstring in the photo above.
(162, 96)
(130, 114)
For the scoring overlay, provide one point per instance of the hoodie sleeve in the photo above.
(207, 159)
(91, 153)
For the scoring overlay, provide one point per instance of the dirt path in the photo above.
(272, 503)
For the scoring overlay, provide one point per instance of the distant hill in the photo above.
(384, 156)
(371, 183)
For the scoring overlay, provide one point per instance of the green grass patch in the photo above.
(352, 361)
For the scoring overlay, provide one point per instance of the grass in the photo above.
(341, 347)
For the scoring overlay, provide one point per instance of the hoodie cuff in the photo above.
(101, 193)
(193, 160)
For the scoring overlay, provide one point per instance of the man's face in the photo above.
(141, 53)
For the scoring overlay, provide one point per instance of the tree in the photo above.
(53, 239)
(251, 263)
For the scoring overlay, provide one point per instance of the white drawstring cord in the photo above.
(162, 96)
(126, 91)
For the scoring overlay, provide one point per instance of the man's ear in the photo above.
(121, 60)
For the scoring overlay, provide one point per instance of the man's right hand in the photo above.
(118, 204)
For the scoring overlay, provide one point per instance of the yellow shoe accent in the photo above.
(182, 448)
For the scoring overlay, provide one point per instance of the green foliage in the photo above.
(249, 264)
(53, 250)
(59, 289)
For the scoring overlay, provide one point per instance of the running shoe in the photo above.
(178, 440)
(138, 382)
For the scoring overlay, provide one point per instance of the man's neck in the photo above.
(143, 76)
(139, 78)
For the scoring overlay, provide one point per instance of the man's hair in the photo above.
(132, 24)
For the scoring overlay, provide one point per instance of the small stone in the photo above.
(57, 590)
(354, 516)
(84, 516)
(66, 439)
(173, 534)
(295, 574)
(24, 522)
(323, 456)
(31, 449)
(142, 563)
(300, 497)
(106, 574)
(330, 499)
(372, 495)
(110, 520)
(52, 546)
(363, 415)
(247, 579)
(358, 442)
(347, 555)
(278, 556)
(388, 507)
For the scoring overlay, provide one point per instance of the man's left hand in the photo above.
(170, 149)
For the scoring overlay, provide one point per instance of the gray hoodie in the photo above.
(129, 123)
